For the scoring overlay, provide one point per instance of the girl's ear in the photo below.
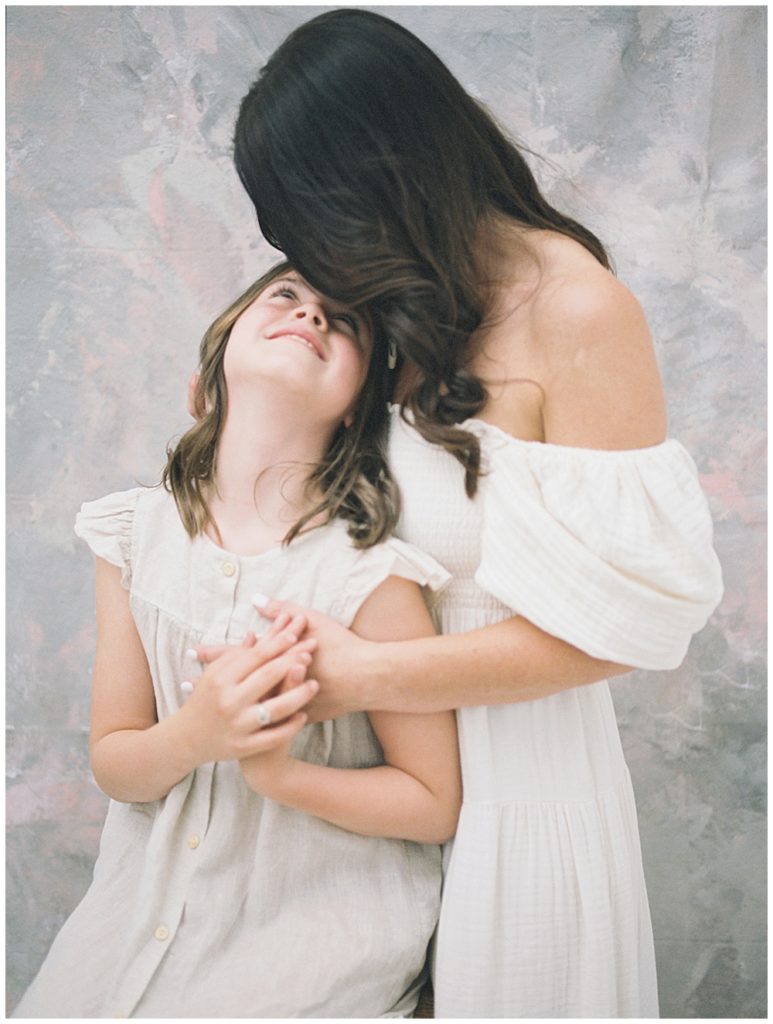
(348, 419)
(193, 409)
(196, 409)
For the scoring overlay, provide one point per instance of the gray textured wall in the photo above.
(128, 231)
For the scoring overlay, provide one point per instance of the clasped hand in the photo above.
(243, 686)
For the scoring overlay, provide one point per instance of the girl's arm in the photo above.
(416, 794)
(135, 757)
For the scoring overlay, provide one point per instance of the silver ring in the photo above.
(264, 715)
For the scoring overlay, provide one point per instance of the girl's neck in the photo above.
(265, 455)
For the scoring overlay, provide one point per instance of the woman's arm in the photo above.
(135, 757)
(500, 664)
(597, 370)
(416, 794)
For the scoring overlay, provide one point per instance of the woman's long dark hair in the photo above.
(373, 171)
(351, 481)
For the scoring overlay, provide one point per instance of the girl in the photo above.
(530, 448)
(237, 878)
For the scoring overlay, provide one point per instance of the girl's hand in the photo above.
(225, 718)
(265, 772)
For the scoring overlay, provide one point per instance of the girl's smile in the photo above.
(312, 342)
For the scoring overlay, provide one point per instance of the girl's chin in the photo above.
(281, 388)
(296, 374)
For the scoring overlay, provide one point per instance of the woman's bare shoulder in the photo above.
(598, 367)
(575, 290)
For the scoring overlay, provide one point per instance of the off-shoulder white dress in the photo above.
(544, 910)
(215, 902)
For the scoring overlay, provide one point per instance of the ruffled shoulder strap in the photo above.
(371, 566)
(107, 524)
(608, 550)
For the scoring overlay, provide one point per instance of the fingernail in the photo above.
(313, 685)
(291, 638)
(260, 600)
(186, 687)
(190, 653)
(305, 658)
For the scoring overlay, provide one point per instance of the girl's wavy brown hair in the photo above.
(353, 477)
(375, 173)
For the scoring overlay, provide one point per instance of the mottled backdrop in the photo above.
(128, 231)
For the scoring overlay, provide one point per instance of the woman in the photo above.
(529, 443)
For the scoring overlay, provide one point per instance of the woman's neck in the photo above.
(264, 458)
(508, 253)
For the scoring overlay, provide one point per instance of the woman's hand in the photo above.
(338, 663)
(339, 657)
(295, 624)
(226, 718)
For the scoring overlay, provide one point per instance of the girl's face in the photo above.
(303, 341)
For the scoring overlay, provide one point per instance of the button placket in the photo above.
(145, 951)
(158, 931)
(220, 612)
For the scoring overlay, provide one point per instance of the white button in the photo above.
(161, 933)
(193, 842)
(228, 568)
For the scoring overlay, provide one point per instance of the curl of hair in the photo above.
(374, 171)
(352, 478)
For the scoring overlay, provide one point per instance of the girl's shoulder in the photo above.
(356, 572)
(119, 511)
(114, 525)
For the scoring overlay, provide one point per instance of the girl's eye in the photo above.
(285, 293)
(347, 319)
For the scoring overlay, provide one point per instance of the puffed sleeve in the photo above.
(371, 566)
(106, 526)
(608, 550)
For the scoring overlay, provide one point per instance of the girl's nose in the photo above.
(313, 312)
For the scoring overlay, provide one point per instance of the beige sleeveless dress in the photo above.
(215, 902)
